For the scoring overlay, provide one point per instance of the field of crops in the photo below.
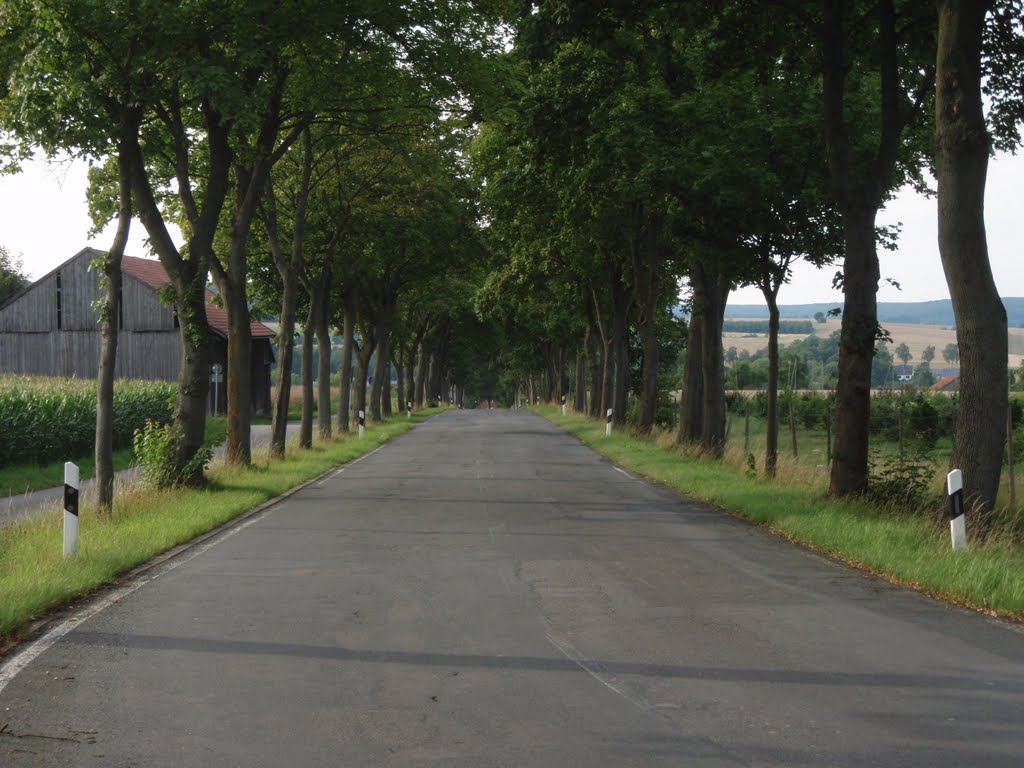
(43, 419)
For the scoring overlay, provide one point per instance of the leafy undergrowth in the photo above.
(34, 576)
(909, 549)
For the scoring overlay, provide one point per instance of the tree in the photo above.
(109, 266)
(82, 79)
(951, 353)
(962, 144)
(819, 317)
(928, 353)
(923, 376)
(12, 279)
(877, 78)
(903, 354)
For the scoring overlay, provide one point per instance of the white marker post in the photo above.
(362, 424)
(957, 529)
(408, 409)
(608, 424)
(563, 405)
(71, 487)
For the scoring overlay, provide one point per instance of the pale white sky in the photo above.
(43, 217)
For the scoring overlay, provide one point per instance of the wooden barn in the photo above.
(52, 329)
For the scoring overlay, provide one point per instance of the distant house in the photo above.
(950, 383)
(903, 373)
(52, 329)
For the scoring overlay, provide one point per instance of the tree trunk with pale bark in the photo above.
(962, 150)
(109, 325)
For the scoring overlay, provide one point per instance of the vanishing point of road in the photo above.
(485, 591)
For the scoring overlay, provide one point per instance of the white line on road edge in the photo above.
(624, 472)
(35, 649)
(38, 647)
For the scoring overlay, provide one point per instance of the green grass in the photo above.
(25, 478)
(34, 576)
(909, 549)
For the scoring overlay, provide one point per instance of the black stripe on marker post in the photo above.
(71, 499)
(956, 504)
(609, 421)
(362, 418)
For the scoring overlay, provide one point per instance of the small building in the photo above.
(903, 373)
(52, 328)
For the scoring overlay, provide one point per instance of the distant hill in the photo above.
(913, 312)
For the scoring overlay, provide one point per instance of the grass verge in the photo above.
(26, 478)
(34, 576)
(908, 549)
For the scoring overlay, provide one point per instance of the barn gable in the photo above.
(51, 328)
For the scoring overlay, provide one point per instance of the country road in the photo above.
(486, 591)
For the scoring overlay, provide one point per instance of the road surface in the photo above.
(485, 591)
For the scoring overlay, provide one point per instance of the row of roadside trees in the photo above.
(314, 156)
(657, 144)
(308, 152)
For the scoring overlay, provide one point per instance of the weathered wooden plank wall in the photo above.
(76, 353)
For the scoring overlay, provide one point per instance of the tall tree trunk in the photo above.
(621, 304)
(421, 374)
(109, 325)
(399, 363)
(323, 343)
(962, 148)
(593, 347)
(347, 352)
(691, 399)
(715, 293)
(580, 400)
(292, 271)
(860, 189)
(380, 365)
(365, 353)
(306, 378)
(188, 281)
(647, 292)
(438, 364)
(231, 283)
(856, 352)
(285, 356)
(771, 457)
(385, 395)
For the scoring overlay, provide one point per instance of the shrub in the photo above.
(902, 482)
(156, 446)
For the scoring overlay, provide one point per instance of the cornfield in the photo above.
(43, 419)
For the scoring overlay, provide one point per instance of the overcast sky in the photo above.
(43, 217)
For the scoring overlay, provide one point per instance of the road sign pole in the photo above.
(71, 486)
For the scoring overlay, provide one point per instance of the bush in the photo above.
(902, 482)
(156, 446)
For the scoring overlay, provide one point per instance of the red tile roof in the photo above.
(943, 383)
(151, 272)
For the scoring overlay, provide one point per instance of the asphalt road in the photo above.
(485, 591)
